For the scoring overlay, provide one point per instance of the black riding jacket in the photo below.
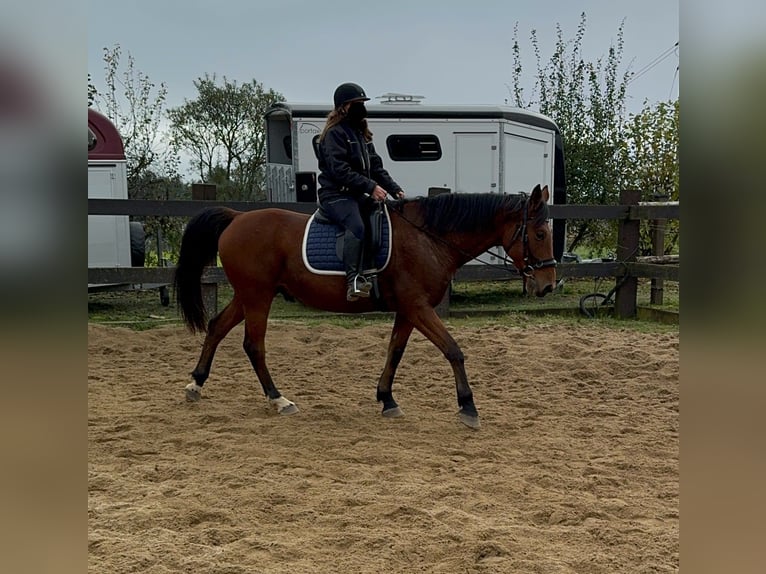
(350, 166)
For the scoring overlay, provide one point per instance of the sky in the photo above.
(450, 52)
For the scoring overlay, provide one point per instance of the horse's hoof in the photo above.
(193, 392)
(471, 421)
(290, 409)
(393, 413)
(283, 406)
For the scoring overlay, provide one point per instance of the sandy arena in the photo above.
(575, 468)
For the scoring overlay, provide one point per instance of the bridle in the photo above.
(521, 230)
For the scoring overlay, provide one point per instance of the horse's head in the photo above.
(529, 243)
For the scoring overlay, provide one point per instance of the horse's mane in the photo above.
(467, 212)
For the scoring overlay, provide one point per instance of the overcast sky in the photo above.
(451, 52)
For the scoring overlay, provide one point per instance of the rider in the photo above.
(350, 171)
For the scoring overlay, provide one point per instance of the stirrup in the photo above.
(358, 287)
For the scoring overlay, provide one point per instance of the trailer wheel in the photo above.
(164, 296)
(137, 244)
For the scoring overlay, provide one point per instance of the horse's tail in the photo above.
(199, 248)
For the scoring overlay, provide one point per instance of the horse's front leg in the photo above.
(399, 337)
(428, 322)
(255, 348)
(218, 327)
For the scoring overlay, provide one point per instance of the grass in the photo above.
(471, 303)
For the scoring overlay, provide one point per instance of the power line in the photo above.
(656, 61)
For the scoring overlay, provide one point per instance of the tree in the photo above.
(135, 105)
(223, 130)
(92, 91)
(649, 161)
(587, 102)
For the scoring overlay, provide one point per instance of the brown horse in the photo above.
(430, 239)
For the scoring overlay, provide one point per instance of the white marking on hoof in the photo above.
(283, 406)
(193, 392)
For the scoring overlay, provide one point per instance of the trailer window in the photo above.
(414, 147)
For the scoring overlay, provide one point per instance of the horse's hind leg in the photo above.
(399, 337)
(218, 327)
(254, 345)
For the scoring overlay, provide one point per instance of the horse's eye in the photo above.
(540, 235)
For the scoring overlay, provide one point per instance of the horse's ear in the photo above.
(539, 195)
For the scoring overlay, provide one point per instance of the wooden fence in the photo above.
(629, 214)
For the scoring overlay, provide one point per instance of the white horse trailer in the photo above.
(427, 149)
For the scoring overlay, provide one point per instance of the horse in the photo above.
(431, 237)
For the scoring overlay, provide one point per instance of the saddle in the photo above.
(322, 248)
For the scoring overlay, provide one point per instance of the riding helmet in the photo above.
(349, 92)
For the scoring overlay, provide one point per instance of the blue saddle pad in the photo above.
(322, 248)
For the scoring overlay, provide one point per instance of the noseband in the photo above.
(529, 266)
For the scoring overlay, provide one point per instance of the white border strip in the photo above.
(325, 272)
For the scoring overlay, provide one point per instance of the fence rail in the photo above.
(629, 214)
(139, 275)
(182, 207)
(190, 207)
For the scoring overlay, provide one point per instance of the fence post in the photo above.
(657, 230)
(442, 309)
(628, 236)
(207, 192)
(210, 298)
(204, 191)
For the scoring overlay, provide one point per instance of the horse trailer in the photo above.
(427, 150)
(113, 240)
(108, 235)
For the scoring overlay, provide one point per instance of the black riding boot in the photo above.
(356, 284)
